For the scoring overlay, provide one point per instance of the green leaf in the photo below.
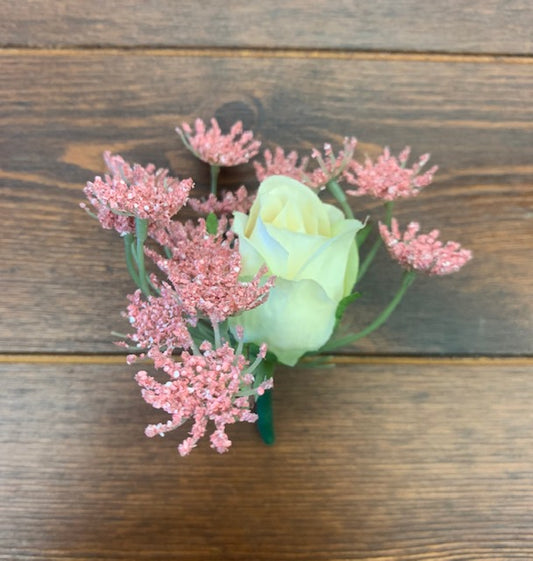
(201, 332)
(343, 304)
(263, 403)
(265, 418)
(211, 224)
(363, 233)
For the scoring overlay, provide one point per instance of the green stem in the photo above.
(153, 288)
(141, 232)
(389, 205)
(215, 170)
(216, 333)
(167, 251)
(369, 257)
(336, 190)
(407, 280)
(128, 250)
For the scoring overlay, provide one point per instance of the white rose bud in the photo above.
(310, 247)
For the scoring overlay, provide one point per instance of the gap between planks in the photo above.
(224, 52)
(340, 359)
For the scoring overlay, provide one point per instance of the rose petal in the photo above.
(288, 324)
(336, 263)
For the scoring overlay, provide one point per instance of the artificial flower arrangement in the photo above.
(258, 279)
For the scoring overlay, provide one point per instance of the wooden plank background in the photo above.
(386, 456)
(65, 109)
(413, 461)
(451, 26)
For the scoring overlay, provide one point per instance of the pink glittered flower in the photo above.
(389, 178)
(217, 149)
(214, 384)
(330, 167)
(423, 252)
(230, 202)
(135, 192)
(204, 270)
(159, 321)
(281, 164)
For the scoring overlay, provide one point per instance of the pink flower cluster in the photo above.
(209, 382)
(230, 202)
(389, 178)
(330, 167)
(204, 270)
(159, 322)
(214, 384)
(281, 164)
(180, 323)
(423, 252)
(135, 192)
(217, 149)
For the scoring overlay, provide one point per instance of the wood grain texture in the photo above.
(388, 458)
(63, 280)
(477, 26)
(412, 462)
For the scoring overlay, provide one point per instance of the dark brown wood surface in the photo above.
(373, 461)
(476, 26)
(384, 457)
(61, 111)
